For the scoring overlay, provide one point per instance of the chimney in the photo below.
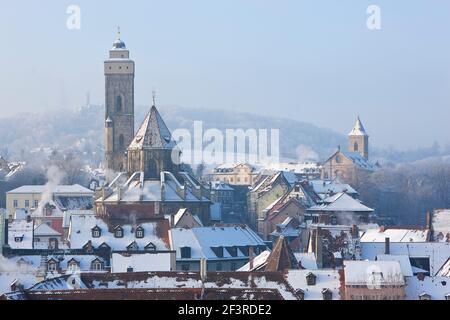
(318, 249)
(250, 257)
(428, 220)
(172, 220)
(355, 231)
(387, 249)
(203, 269)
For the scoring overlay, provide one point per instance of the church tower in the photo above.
(358, 140)
(119, 105)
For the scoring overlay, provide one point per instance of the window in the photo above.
(72, 266)
(130, 269)
(118, 232)
(121, 140)
(355, 146)
(218, 266)
(150, 247)
(96, 232)
(333, 220)
(16, 204)
(337, 159)
(185, 267)
(300, 293)
(27, 203)
(96, 265)
(18, 239)
(119, 104)
(185, 252)
(311, 279)
(51, 265)
(133, 246)
(36, 203)
(139, 232)
(327, 294)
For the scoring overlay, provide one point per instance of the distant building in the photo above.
(305, 170)
(223, 193)
(340, 209)
(346, 164)
(185, 219)
(64, 196)
(234, 174)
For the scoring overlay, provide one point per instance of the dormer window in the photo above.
(311, 279)
(139, 232)
(52, 265)
(185, 252)
(18, 238)
(424, 296)
(118, 232)
(96, 265)
(327, 294)
(96, 232)
(300, 293)
(72, 265)
(133, 246)
(150, 247)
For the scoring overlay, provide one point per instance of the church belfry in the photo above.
(358, 140)
(119, 105)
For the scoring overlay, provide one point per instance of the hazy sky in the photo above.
(313, 60)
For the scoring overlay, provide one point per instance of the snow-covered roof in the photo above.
(152, 190)
(359, 160)
(141, 262)
(325, 279)
(74, 202)
(395, 235)
(341, 202)
(373, 273)
(45, 230)
(165, 280)
(60, 189)
(445, 270)
(80, 232)
(405, 264)
(335, 186)
(441, 225)
(221, 186)
(22, 231)
(153, 133)
(358, 129)
(69, 213)
(436, 287)
(202, 240)
(307, 260)
(258, 262)
(437, 252)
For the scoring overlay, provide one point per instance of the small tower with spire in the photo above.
(358, 140)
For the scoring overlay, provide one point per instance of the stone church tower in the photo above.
(119, 105)
(358, 140)
(153, 149)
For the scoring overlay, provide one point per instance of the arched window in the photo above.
(119, 104)
(121, 140)
(355, 146)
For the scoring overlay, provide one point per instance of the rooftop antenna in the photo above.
(118, 32)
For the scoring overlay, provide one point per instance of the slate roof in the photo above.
(153, 133)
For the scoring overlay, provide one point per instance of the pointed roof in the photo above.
(281, 257)
(341, 202)
(153, 133)
(358, 129)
